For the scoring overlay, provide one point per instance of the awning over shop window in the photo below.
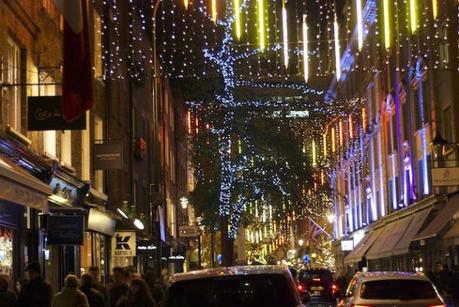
(375, 249)
(440, 221)
(452, 236)
(19, 187)
(418, 219)
(396, 234)
(360, 249)
(100, 222)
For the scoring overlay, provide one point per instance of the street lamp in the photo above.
(300, 242)
(121, 212)
(331, 217)
(138, 224)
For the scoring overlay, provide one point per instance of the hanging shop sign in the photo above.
(347, 245)
(446, 176)
(124, 244)
(101, 222)
(65, 230)
(44, 113)
(188, 231)
(108, 156)
(64, 193)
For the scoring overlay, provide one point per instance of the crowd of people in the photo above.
(126, 289)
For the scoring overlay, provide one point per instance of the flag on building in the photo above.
(314, 230)
(77, 95)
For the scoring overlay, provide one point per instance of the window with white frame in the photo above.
(12, 100)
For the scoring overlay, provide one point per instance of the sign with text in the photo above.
(65, 230)
(108, 156)
(188, 231)
(146, 247)
(44, 113)
(124, 244)
(446, 176)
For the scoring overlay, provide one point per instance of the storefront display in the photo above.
(6, 251)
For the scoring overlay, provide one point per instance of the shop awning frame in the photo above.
(417, 221)
(361, 249)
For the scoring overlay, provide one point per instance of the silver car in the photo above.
(391, 289)
(240, 286)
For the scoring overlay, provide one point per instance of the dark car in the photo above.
(318, 283)
(254, 286)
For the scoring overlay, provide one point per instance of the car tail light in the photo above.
(441, 305)
(358, 305)
(334, 288)
(301, 288)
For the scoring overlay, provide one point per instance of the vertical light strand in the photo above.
(314, 153)
(333, 139)
(341, 133)
(214, 10)
(351, 128)
(261, 25)
(358, 6)
(186, 3)
(324, 141)
(305, 50)
(285, 32)
(435, 8)
(337, 51)
(237, 18)
(387, 26)
(413, 16)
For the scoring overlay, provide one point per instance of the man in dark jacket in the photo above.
(37, 292)
(97, 284)
(95, 298)
(118, 288)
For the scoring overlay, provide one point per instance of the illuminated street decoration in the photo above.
(337, 50)
(435, 9)
(358, 6)
(237, 18)
(285, 33)
(186, 3)
(261, 25)
(214, 10)
(414, 22)
(387, 24)
(305, 50)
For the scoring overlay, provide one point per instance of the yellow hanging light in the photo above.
(285, 33)
(214, 10)
(305, 50)
(237, 18)
(261, 25)
(387, 25)
(358, 6)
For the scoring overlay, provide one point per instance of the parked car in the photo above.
(241, 286)
(318, 284)
(391, 289)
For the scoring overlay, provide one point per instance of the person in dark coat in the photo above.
(118, 288)
(95, 298)
(36, 292)
(97, 284)
(139, 295)
(7, 297)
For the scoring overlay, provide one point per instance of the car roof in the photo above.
(234, 270)
(389, 275)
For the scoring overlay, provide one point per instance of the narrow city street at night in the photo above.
(229, 153)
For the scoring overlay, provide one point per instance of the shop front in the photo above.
(66, 205)
(22, 197)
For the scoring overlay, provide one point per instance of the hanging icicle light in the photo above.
(237, 18)
(358, 6)
(413, 16)
(186, 3)
(261, 25)
(305, 50)
(214, 10)
(337, 51)
(387, 34)
(285, 32)
(314, 154)
(435, 8)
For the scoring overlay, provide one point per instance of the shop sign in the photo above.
(63, 193)
(44, 113)
(108, 156)
(65, 230)
(100, 222)
(146, 247)
(188, 231)
(124, 244)
(446, 176)
(347, 245)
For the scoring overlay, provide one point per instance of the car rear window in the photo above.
(228, 291)
(397, 289)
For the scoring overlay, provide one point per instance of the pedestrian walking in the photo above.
(70, 294)
(97, 283)
(118, 288)
(155, 286)
(441, 278)
(36, 292)
(95, 298)
(7, 297)
(139, 295)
